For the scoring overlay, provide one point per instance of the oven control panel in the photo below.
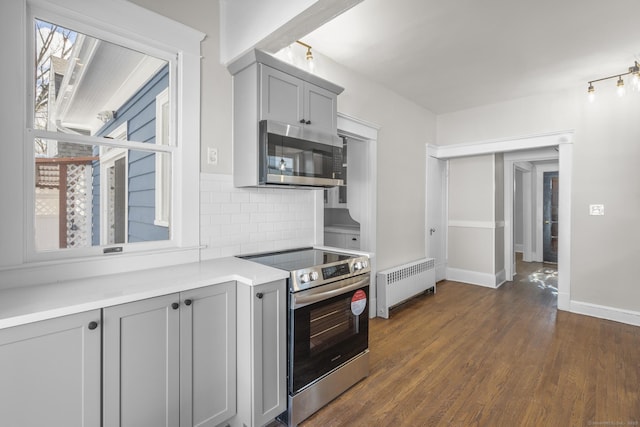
(335, 271)
(318, 275)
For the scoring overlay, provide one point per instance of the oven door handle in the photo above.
(302, 299)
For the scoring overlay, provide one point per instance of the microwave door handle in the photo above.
(299, 301)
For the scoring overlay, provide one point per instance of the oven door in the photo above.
(329, 325)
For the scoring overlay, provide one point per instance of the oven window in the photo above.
(330, 324)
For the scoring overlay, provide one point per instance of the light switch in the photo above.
(596, 210)
(212, 156)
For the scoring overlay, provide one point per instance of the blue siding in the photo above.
(139, 112)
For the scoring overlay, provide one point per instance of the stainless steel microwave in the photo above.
(295, 155)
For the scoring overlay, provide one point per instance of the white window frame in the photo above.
(129, 25)
(108, 157)
(163, 186)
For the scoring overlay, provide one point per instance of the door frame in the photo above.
(361, 130)
(563, 140)
(442, 228)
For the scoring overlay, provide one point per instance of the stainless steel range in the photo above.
(328, 325)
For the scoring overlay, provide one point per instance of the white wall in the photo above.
(405, 128)
(605, 170)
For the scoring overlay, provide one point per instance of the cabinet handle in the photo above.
(175, 305)
(188, 301)
(259, 295)
(354, 239)
(308, 122)
(302, 121)
(93, 325)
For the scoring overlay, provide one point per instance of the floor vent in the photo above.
(398, 284)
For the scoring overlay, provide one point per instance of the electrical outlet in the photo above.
(596, 210)
(212, 156)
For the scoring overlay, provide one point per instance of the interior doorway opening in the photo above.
(562, 144)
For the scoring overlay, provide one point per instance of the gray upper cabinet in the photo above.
(141, 363)
(266, 88)
(289, 99)
(170, 360)
(50, 372)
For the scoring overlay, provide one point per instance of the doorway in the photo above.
(550, 217)
(562, 143)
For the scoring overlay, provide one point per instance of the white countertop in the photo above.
(338, 228)
(34, 303)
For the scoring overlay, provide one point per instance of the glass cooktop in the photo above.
(297, 259)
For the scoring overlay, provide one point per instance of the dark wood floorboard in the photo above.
(473, 356)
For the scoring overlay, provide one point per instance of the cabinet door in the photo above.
(320, 109)
(270, 347)
(262, 347)
(141, 363)
(352, 241)
(281, 96)
(50, 372)
(336, 240)
(208, 355)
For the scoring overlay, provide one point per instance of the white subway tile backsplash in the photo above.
(238, 221)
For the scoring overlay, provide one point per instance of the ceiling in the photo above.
(450, 55)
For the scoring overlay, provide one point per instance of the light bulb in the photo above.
(620, 85)
(636, 81)
(591, 91)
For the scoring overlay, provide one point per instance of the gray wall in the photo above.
(606, 151)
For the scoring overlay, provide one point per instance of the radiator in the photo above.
(398, 284)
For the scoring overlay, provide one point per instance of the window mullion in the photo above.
(96, 140)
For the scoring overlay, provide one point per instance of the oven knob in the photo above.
(314, 275)
(365, 263)
(304, 278)
(358, 266)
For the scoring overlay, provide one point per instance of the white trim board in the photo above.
(476, 224)
(487, 280)
(503, 145)
(604, 312)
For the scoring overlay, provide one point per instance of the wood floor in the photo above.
(473, 356)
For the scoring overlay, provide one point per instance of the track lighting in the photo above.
(634, 71)
(308, 55)
(620, 86)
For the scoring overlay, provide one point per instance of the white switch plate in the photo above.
(212, 156)
(596, 210)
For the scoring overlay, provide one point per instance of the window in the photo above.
(111, 144)
(114, 102)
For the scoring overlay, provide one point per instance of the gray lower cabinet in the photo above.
(262, 351)
(50, 372)
(141, 362)
(170, 360)
(208, 355)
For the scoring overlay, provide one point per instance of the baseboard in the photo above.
(476, 278)
(518, 247)
(604, 312)
(441, 272)
(501, 278)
